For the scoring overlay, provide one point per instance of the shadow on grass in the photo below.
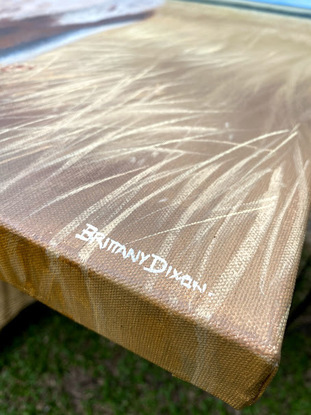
(34, 314)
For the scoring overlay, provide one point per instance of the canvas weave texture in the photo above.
(154, 186)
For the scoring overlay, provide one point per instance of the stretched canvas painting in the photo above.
(154, 185)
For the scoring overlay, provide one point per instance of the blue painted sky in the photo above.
(293, 3)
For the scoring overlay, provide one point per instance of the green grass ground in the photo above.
(49, 364)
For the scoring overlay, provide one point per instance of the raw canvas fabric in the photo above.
(155, 187)
(12, 301)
